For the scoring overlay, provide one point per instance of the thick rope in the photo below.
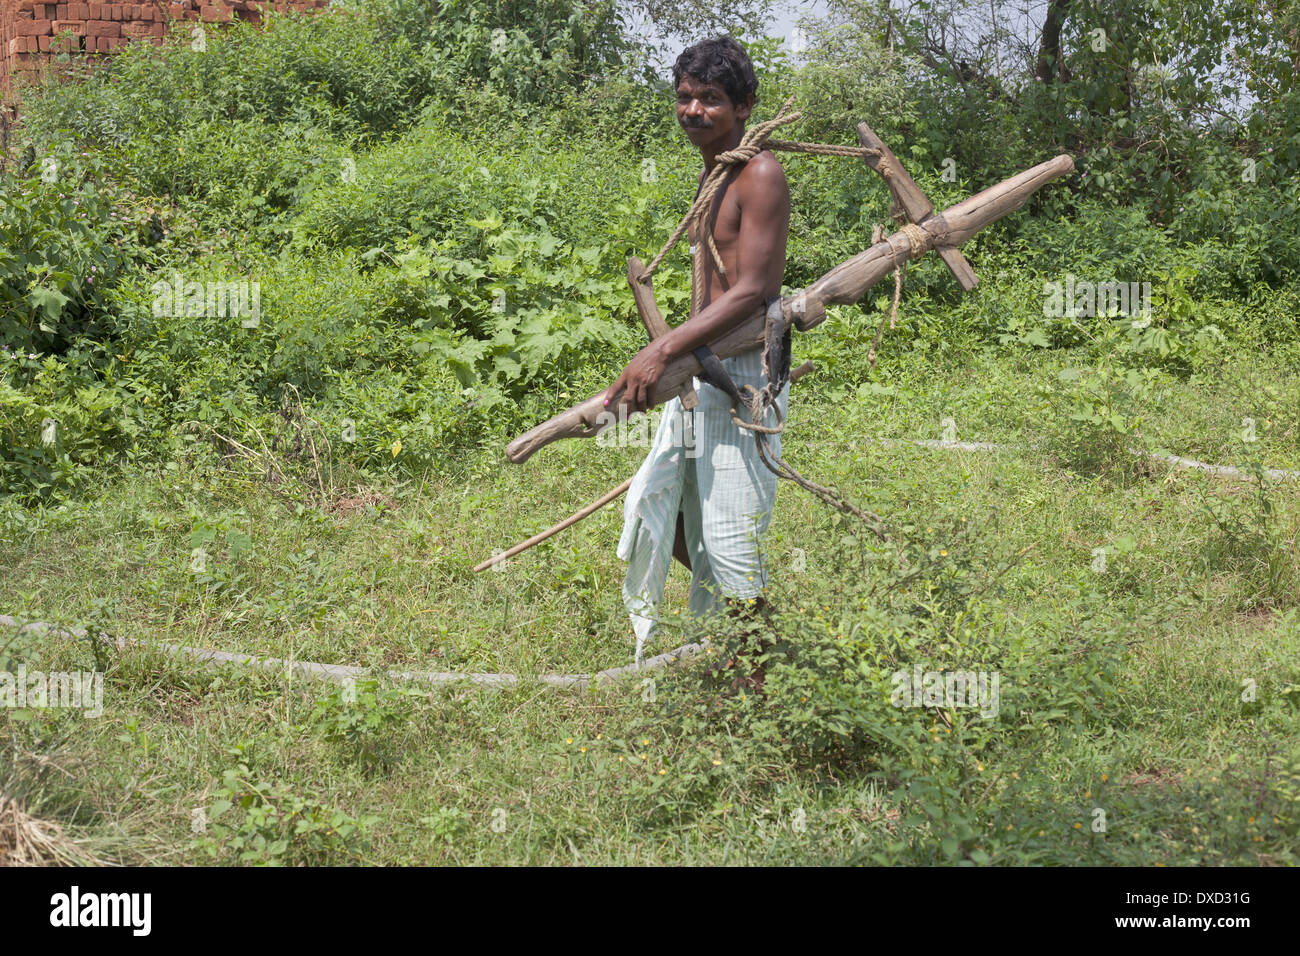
(916, 239)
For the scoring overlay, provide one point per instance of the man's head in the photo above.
(715, 86)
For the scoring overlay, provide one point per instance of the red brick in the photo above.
(147, 12)
(76, 26)
(176, 10)
(33, 28)
(135, 29)
(115, 42)
(78, 11)
(115, 11)
(103, 28)
(63, 12)
(43, 42)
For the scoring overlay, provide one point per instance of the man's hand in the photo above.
(638, 380)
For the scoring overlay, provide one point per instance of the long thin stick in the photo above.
(574, 518)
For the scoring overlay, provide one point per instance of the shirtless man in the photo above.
(724, 500)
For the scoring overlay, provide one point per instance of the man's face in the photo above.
(706, 112)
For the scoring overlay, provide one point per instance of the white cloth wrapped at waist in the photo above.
(704, 466)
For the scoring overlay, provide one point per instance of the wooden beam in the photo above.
(643, 294)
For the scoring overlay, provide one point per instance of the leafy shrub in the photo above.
(1096, 418)
(268, 823)
(63, 245)
(363, 718)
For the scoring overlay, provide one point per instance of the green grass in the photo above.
(1185, 770)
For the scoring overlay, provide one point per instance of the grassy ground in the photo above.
(1161, 690)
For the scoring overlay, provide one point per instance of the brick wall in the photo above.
(33, 31)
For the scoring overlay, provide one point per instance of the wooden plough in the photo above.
(922, 229)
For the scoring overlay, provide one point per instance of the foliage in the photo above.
(364, 719)
(269, 823)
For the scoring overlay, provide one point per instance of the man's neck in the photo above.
(711, 152)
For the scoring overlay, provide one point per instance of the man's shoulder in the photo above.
(764, 171)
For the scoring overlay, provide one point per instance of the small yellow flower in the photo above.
(397, 448)
(717, 763)
(568, 740)
(803, 700)
(598, 736)
(662, 772)
(943, 553)
(583, 749)
(1087, 794)
(645, 743)
(1104, 778)
(1078, 826)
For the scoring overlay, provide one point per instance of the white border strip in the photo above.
(340, 673)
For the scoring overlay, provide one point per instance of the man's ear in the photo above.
(743, 111)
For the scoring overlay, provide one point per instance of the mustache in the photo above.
(696, 124)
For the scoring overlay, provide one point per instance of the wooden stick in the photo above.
(908, 197)
(600, 502)
(643, 294)
(574, 518)
(845, 284)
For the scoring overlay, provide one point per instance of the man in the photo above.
(709, 503)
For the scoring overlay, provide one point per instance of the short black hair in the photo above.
(719, 60)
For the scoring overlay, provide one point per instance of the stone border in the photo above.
(340, 673)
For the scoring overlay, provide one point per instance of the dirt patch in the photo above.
(359, 501)
(1151, 777)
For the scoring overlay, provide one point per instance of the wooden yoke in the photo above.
(643, 294)
(913, 203)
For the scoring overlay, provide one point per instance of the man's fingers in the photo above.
(612, 393)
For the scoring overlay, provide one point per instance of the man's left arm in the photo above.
(764, 199)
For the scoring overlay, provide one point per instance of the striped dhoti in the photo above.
(704, 466)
